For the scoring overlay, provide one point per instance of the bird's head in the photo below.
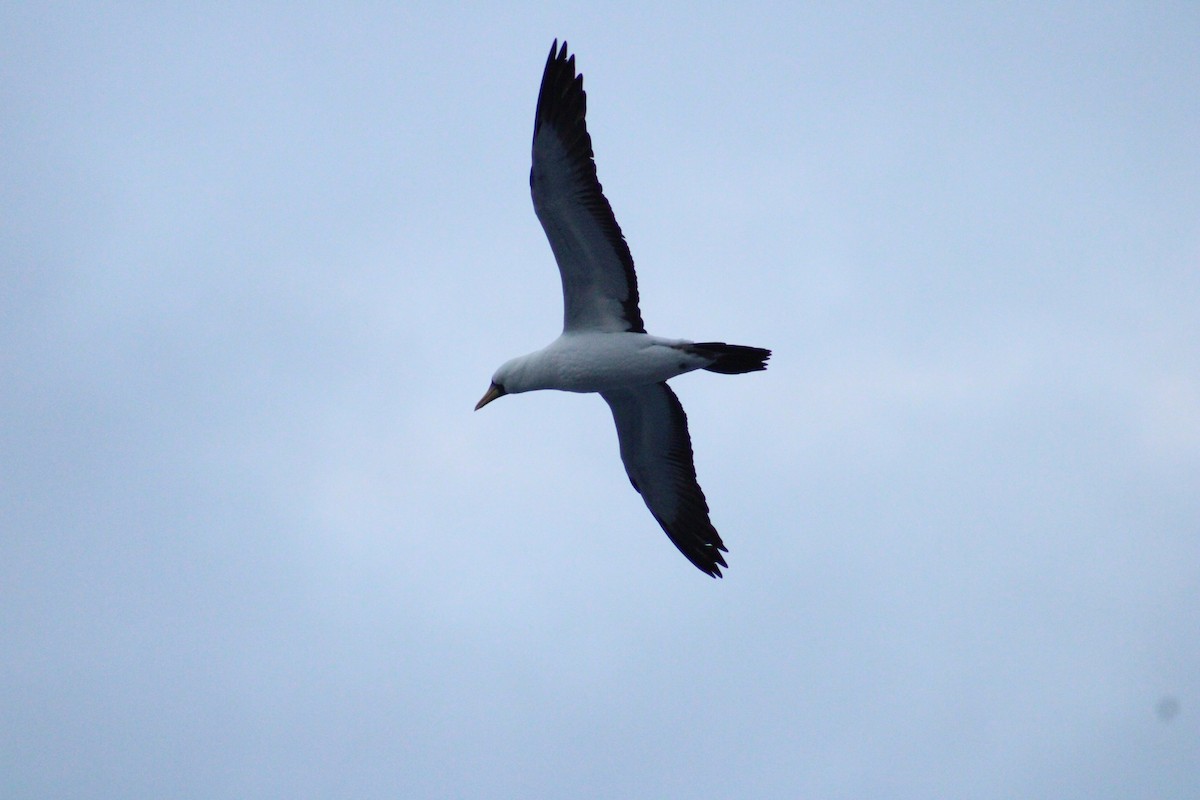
(504, 381)
(494, 391)
(521, 374)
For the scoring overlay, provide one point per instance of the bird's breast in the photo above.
(600, 362)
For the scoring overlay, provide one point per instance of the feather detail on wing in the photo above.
(657, 452)
(599, 285)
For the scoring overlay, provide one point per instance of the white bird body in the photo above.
(585, 361)
(604, 347)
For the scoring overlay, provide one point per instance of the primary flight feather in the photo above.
(604, 346)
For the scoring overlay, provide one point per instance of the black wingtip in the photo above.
(713, 568)
(707, 559)
(561, 100)
(559, 54)
(698, 540)
(714, 571)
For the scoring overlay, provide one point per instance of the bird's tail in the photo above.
(732, 359)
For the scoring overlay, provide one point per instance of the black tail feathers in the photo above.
(732, 359)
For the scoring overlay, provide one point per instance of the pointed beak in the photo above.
(493, 392)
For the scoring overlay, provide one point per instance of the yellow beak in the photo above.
(492, 393)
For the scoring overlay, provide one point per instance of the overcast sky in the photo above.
(258, 264)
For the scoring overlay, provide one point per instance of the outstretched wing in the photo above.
(599, 285)
(657, 453)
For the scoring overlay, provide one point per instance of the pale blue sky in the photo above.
(259, 263)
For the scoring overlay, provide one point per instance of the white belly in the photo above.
(596, 362)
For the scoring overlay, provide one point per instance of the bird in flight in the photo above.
(604, 346)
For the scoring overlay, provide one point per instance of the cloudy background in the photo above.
(258, 264)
